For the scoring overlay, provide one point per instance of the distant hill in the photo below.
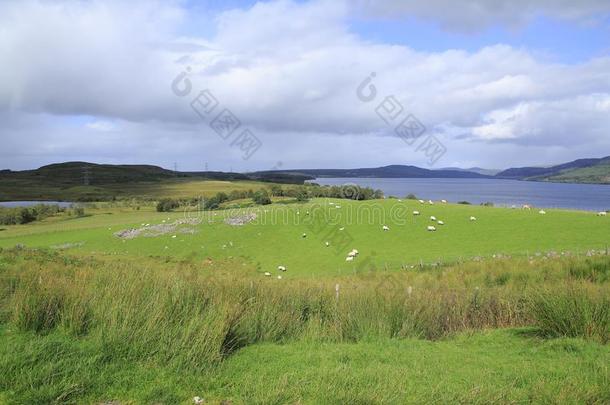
(392, 171)
(578, 171)
(478, 170)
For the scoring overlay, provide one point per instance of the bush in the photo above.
(464, 202)
(167, 205)
(411, 196)
(261, 197)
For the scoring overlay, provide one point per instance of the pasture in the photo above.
(276, 237)
(136, 306)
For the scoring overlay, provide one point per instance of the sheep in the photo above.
(430, 202)
(432, 218)
(602, 214)
(415, 212)
(279, 277)
(327, 244)
(349, 258)
(542, 212)
(356, 251)
(473, 218)
(444, 201)
(281, 268)
(342, 228)
(304, 235)
(440, 223)
(386, 228)
(267, 274)
(421, 202)
(431, 228)
(337, 206)
(351, 254)
(526, 207)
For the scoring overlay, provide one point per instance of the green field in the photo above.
(511, 308)
(275, 237)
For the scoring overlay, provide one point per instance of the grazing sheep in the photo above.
(386, 228)
(602, 214)
(337, 206)
(351, 254)
(526, 207)
(473, 218)
(304, 235)
(349, 258)
(415, 212)
(432, 218)
(342, 228)
(542, 212)
(444, 201)
(281, 268)
(279, 277)
(356, 251)
(327, 244)
(421, 202)
(440, 223)
(267, 274)
(430, 202)
(432, 228)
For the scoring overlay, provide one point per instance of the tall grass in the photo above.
(191, 317)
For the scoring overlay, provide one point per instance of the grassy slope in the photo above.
(268, 245)
(28, 189)
(594, 174)
(488, 367)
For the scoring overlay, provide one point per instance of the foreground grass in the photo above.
(90, 330)
(507, 366)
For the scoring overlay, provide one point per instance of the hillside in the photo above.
(577, 171)
(82, 181)
(392, 171)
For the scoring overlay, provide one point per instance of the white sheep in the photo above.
(432, 218)
(430, 202)
(386, 228)
(342, 228)
(415, 212)
(421, 202)
(356, 251)
(352, 254)
(444, 201)
(431, 228)
(281, 268)
(602, 214)
(473, 218)
(279, 277)
(267, 274)
(542, 212)
(349, 258)
(304, 235)
(327, 244)
(440, 223)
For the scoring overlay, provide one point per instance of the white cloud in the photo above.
(289, 71)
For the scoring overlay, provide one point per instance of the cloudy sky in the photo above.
(497, 83)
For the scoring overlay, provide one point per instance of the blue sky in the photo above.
(498, 83)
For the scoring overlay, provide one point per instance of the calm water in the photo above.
(501, 192)
(13, 204)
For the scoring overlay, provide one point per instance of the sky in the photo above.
(261, 85)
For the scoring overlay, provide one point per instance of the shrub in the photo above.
(411, 196)
(261, 197)
(464, 202)
(167, 204)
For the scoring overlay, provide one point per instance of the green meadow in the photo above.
(511, 308)
(275, 237)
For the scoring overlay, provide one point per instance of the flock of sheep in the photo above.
(353, 254)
